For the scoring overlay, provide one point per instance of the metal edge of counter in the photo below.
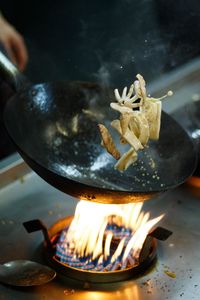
(12, 168)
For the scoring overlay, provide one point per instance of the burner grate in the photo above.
(90, 274)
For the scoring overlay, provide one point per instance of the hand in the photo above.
(13, 43)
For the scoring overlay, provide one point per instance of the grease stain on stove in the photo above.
(6, 222)
(170, 274)
(3, 222)
(86, 285)
(22, 179)
(68, 292)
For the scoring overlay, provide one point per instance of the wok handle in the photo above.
(11, 75)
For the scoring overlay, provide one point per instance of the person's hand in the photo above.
(13, 43)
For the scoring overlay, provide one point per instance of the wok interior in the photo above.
(56, 126)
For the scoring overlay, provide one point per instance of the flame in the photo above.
(96, 225)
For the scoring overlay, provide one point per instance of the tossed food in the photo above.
(139, 122)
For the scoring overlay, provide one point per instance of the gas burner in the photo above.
(147, 258)
(53, 235)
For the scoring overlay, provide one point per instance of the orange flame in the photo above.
(88, 234)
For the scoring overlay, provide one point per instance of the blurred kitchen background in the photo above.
(105, 41)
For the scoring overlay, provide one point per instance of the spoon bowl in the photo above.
(25, 273)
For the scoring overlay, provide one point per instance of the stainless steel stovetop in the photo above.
(26, 197)
(29, 197)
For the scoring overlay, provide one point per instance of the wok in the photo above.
(54, 127)
(188, 116)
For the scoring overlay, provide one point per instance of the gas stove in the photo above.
(175, 275)
(176, 272)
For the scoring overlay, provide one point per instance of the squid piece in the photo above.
(143, 127)
(142, 87)
(155, 122)
(124, 121)
(129, 136)
(126, 160)
(139, 121)
(120, 108)
(152, 111)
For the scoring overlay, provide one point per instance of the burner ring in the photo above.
(88, 275)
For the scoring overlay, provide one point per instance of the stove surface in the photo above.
(30, 197)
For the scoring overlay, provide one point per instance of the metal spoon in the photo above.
(25, 273)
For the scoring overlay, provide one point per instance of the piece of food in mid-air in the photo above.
(139, 122)
(108, 142)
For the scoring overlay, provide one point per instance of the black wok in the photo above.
(54, 126)
(188, 116)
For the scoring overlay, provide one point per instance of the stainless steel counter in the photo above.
(25, 196)
(30, 197)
